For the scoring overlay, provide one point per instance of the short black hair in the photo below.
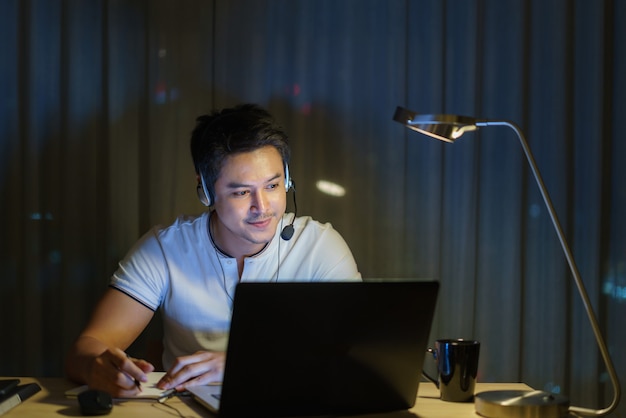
(243, 128)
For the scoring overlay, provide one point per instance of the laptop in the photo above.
(323, 348)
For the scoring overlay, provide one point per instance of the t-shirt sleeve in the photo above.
(143, 273)
(337, 261)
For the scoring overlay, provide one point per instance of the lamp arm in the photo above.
(570, 260)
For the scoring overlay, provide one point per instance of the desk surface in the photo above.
(51, 401)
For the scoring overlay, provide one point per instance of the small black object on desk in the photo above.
(95, 402)
(7, 386)
(16, 394)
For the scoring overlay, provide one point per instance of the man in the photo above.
(190, 269)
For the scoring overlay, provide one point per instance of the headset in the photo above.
(207, 199)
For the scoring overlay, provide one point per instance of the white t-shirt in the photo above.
(179, 270)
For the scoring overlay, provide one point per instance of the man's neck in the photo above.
(234, 247)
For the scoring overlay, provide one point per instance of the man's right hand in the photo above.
(117, 374)
(97, 357)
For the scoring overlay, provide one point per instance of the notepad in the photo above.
(148, 389)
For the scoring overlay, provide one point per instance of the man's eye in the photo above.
(273, 186)
(241, 193)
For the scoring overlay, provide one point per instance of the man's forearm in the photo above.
(79, 360)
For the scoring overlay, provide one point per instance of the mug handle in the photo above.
(435, 381)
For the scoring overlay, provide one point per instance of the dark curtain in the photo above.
(97, 100)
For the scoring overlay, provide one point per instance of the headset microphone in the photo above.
(288, 231)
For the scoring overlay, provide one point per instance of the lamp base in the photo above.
(521, 404)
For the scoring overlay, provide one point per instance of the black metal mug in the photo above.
(457, 368)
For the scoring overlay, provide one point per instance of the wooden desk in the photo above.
(51, 401)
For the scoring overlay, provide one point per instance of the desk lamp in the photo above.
(512, 403)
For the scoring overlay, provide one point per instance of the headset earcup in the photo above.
(288, 182)
(203, 194)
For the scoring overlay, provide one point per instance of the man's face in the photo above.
(250, 200)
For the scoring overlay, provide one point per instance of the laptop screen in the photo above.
(314, 348)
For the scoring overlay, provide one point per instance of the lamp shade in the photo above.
(446, 128)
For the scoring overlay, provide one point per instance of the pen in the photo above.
(166, 395)
(137, 382)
